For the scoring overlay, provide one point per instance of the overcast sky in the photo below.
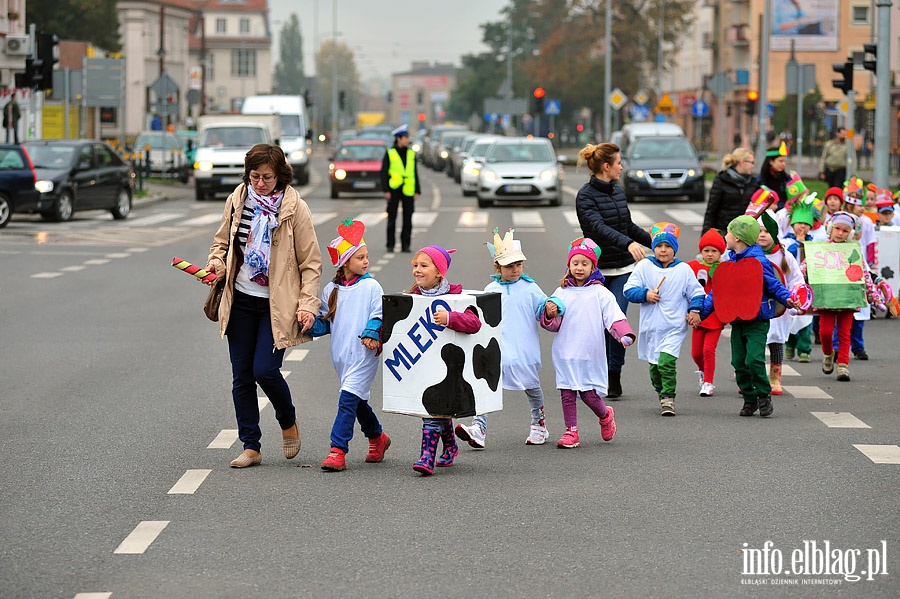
(386, 36)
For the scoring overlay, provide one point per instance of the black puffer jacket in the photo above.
(777, 182)
(604, 217)
(728, 198)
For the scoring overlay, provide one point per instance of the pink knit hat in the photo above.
(584, 247)
(439, 256)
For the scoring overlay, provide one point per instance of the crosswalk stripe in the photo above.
(96, 261)
(155, 219)
(641, 219)
(297, 355)
(572, 218)
(370, 219)
(786, 370)
(684, 217)
(527, 218)
(141, 537)
(423, 220)
(46, 275)
(262, 402)
(224, 439)
(322, 217)
(189, 482)
(472, 221)
(118, 255)
(206, 219)
(93, 595)
(840, 420)
(74, 268)
(805, 392)
(881, 454)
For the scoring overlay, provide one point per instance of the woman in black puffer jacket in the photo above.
(604, 217)
(731, 190)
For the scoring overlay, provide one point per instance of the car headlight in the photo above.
(691, 172)
(340, 174)
(489, 176)
(44, 186)
(471, 169)
(548, 175)
(444, 154)
(417, 148)
(203, 165)
(639, 174)
(298, 154)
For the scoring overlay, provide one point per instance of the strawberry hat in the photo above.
(349, 239)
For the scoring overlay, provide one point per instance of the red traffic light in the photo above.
(539, 92)
(579, 127)
(422, 116)
(752, 95)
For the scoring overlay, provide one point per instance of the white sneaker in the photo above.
(538, 435)
(707, 390)
(473, 435)
(699, 374)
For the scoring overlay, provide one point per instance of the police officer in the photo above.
(400, 181)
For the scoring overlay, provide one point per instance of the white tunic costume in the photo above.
(521, 305)
(780, 328)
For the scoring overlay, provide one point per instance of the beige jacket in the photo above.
(295, 264)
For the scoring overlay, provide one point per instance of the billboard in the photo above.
(810, 24)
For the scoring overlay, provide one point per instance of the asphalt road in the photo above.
(114, 386)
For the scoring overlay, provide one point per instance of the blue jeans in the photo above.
(254, 359)
(615, 352)
(350, 409)
(857, 344)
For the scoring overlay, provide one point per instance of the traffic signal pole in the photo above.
(762, 104)
(851, 133)
(883, 95)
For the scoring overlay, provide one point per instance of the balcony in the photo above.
(736, 35)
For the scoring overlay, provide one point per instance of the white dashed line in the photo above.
(572, 218)
(75, 268)
(788, 371)
(46, 275)
(141, 537)
(206, 219)
(93, 595)
(422, 221)
(137, 250)
(470, 221)
(225, 439)
(285, 373)
(370, 219)
(96, 261)
(189, 482)
(881, 454)
(118, 255)
(375, 268)
(297, 355)
(321, 218)
(682, 216)
(155, 219)
(801, 392)
(840, 420)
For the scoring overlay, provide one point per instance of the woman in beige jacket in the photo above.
(266, 247)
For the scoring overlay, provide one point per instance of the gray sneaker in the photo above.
(473, 435)
(828, 363)
(843, 372)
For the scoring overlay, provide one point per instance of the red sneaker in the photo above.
(377, 447)
(335, 462)
(608, 425)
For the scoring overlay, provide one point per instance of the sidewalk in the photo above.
(154, 192)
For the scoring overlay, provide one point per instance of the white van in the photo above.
(295, 131)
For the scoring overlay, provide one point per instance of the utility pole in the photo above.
(883, 94)
(762, 106)
(334, 90)
(607, 74)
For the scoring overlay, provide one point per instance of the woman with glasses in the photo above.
(266, 248)
(731, 190)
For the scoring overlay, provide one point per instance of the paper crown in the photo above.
(795, 186)
(776, 152)
(853, 190)
(507, 250)
(761, 200)
(349, 239)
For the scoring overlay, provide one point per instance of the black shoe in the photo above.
(615, 385)
(749, 408)
(406, 251)
(816, 339)
(765, 406)
(389, 249)
(861, 355)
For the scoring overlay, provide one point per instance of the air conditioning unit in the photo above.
(16, 46)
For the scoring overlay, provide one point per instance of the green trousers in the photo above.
(664, 375)
(801, 341)
(748, 356)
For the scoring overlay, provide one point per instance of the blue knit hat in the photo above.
(664, 232)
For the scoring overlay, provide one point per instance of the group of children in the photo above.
(756, 277)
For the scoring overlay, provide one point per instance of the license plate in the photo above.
(364, 185)
(667, 184)
(518, 188)
(231, 180)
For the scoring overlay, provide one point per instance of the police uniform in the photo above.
(399, 177)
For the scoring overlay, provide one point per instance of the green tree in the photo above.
(289, 76)
(94, 21)
(347, 79)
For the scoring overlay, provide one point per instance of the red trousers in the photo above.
(844, 320)
(703, 350)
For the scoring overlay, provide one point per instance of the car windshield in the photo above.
(157, 141)
(51, 156)
(290, 125)
(661, 147)
(480, 148)
(520, 153)
(360, 153)
(232, 137)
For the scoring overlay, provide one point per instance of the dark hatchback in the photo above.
(17, 179)
(77, 175)
(662, 167)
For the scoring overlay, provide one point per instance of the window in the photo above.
(243, 63)
(859, 15)
(11, 160)
(220, 25)
(245, 25)
(210, 66)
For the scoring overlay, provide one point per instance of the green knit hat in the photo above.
(745, 228)
(805, 210)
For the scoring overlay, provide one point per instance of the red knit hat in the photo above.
(835, 191)
(712, 238)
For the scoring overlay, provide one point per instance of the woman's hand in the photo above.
(637, 251)
(369, 343)
(210, 268)
(306, 319)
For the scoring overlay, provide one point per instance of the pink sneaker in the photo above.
(608, 425)
(569, 440)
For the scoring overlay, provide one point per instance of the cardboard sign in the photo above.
(431, 371)
(836, 273)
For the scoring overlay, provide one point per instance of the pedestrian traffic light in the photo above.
(752, 100)
(872, 49)
(342, 100)
(46, 53)
(845, 69)
(34, 73)
(538, 102)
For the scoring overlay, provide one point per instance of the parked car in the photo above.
(518, 169)
(80, 174)
(662, 166)
(449, 143)
(459, 157)
(471, 168)
(166, 154)
(356, 166)
(17, 179)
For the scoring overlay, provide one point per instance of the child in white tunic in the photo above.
(522, 303)
(670, 297)
(351, 312)
(579, 350)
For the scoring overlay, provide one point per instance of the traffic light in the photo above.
(46, 53)
(538, 102)
(845, 69)
(872, 49)
(342, 100)
(752, 100)
(34, 73)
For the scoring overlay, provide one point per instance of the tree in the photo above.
(94, 21)
(347, 78)
(289, 76)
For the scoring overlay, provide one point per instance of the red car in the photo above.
(356, 166)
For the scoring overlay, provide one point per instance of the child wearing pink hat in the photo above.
(351, 312)
(579, 349)
(429, 269)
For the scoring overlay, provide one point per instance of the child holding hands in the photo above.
(705, 336)
(579, 350)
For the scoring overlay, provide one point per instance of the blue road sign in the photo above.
(770, 110)
(660, 118)
(699, 109)
(551, 107)
(640, 112)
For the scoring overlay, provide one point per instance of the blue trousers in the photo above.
(857, 344)
(350, 409)
(254, 360)
(615, 353)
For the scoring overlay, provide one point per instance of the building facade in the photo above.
(424, 90)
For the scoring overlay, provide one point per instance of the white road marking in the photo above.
(137, 250)
(572, 218)
(118, 255)
(75, 268)
(224, 439)
(297, 355)
(96, 261)
(370, 219)
(375, 268)
(189, 482)
(788, 371)
(206, 219)
(155, 219)
(423, 220)
(801, 392)
(383, 261)
(528, 220)
(322, 217)
(46, 275)
(570, 190)
(641, 219)
(681, 216)
(262, 402)
(141, 537)
(436, 198)
(93, 595)
(840, 420)
(881, 454)
(472, 221)
(285, 373)
(726, 332)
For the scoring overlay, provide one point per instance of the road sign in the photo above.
(700, 109)
(665, 105)
(617, 99)
(551, 107)
(720, 84)
(640, 113)
(770, 110)
(687, 99)
(843, 105)
(640, 97)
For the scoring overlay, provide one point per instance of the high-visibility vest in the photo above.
(398, 174)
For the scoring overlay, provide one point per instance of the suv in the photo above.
(166, 154)
(661, 165)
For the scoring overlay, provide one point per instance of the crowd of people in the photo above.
(760, 269)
